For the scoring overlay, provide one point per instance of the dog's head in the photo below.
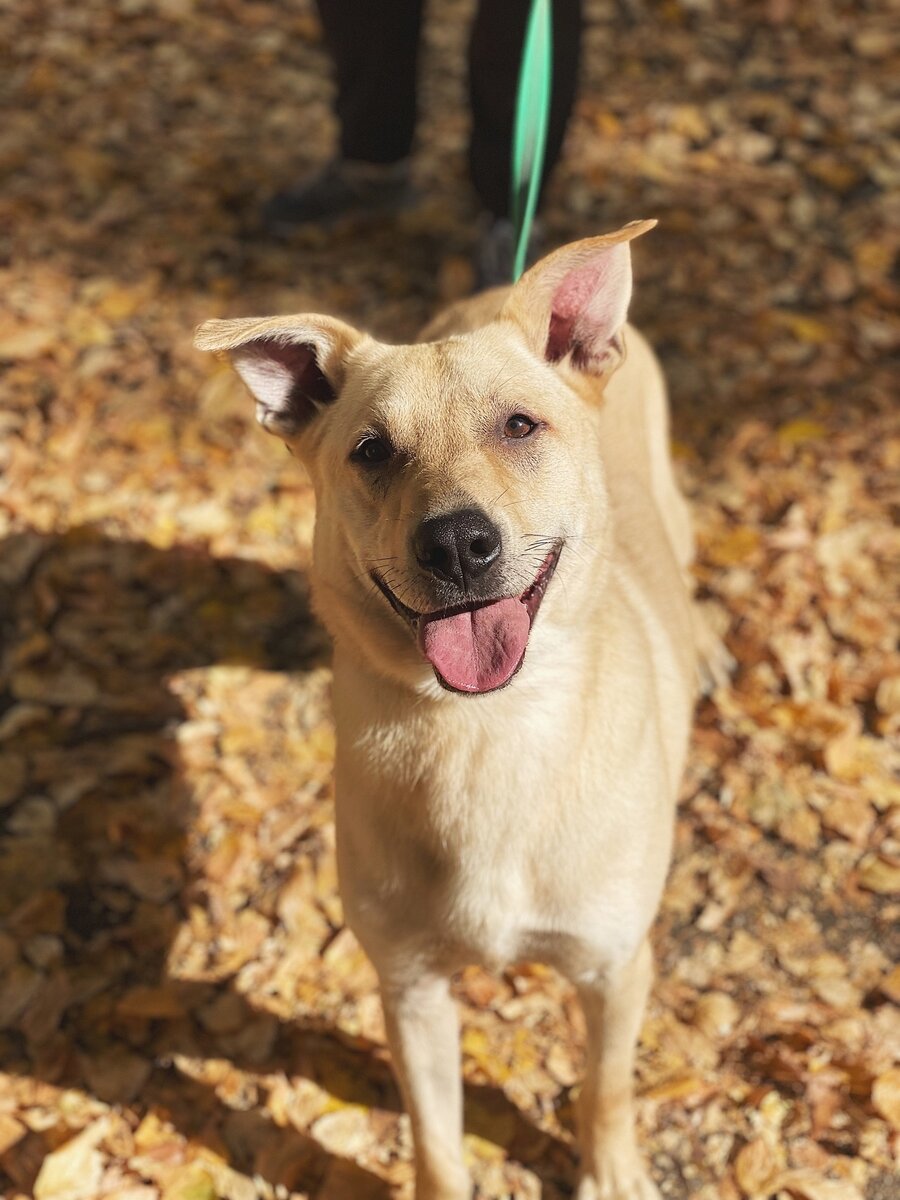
(451, 476)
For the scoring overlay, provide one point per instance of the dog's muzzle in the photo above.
(479, 646)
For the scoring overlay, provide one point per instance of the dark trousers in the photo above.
(375, 44)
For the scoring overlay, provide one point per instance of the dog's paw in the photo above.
(715, 664)
(615, 1179)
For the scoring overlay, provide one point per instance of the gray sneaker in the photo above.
(495, 250)
(342, 188)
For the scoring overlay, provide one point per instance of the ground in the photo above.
(182, 1012)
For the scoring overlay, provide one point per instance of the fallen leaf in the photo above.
(755, 1168)
(886, 1096)
(878, 875)
(74, 1171)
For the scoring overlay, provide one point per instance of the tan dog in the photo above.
(501, 555)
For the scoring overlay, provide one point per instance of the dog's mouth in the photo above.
(478, 647)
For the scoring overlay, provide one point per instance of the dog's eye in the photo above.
(372, 451)
(519, 426)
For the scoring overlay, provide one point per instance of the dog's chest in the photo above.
(478, 851)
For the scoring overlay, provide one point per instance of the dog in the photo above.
(502, 556)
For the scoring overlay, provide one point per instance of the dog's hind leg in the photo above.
(611, 1168)
(714, 663)
(423, 1034)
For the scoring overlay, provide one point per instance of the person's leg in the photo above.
(375, 51)
(495, 55)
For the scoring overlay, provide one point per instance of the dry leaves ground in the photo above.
(182, 1013)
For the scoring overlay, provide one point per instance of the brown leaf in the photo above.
(890, 985)
(886, 1096)
(755, 1167)
(11, 1131)
(811, 1185)
(851, 816)
(716, 1014)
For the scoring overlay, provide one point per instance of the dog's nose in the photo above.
(459, 547)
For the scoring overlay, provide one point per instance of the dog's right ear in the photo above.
(572, 305)
(293, 366)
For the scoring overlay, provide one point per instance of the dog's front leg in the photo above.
(611, 1167)
(423, 1034)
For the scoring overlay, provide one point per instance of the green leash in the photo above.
(530, 129)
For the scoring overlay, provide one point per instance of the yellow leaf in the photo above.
(121, 302)
(873, 257)
(801, 430)
(850, 758)
(192, 1183)
(87, 328)
(804, 329)
(733, 546)
(887, 695)
(163, 532)
(474, 1043)
(265, 520)
(876, 875)
(479, 1149)
(690, 121)
(681, 451)
(607, 124)
(156, 430)
(835, 173)
(890, 985)
(684, 1088)
(477, 1047)
(152, 1133)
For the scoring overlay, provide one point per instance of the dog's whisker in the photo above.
(580, 537)
(578, 554)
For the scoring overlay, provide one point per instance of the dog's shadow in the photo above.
(96, 807)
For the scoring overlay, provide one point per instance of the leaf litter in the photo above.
(183, 1014)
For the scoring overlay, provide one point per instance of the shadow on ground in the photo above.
(99, 863)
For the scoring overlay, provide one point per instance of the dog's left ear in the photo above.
(294, 366)
(573, 303)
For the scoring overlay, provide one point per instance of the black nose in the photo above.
(459, 547)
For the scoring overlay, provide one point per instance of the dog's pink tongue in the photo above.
(480, 650)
